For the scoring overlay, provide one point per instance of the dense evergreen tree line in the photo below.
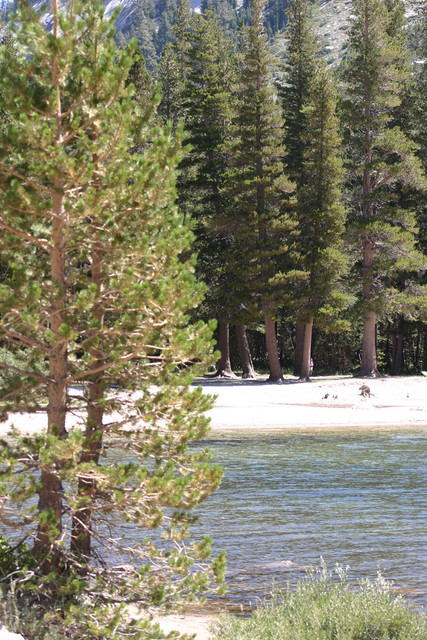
(307, 195)
(342, 254)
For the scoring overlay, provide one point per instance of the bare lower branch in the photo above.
(25, 179)
(24, 372)
(19, 338)
(39, 242)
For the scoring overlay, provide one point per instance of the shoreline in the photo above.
(327, 402)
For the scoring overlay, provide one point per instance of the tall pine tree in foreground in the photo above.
(380, 157)
(407, 299)
(260, 190)
(94, 308)
(207, 119)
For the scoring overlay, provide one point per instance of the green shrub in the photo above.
(326, 608)
(14, 559)
(83, 620)
(7, 559)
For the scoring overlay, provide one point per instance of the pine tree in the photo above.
(143, 29)
(321, 214)
(227, 13)
(97, 293)
(168, 75)
(175, 65)
(405, 303)
(420, 118)
(300, 69)
(207, 97)
(380, 156)
(260, 189)
(207, 117)
(165, 11)
(275, 16)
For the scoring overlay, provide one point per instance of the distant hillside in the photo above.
(333, 18)
(150, 21)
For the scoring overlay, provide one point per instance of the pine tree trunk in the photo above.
(224, 363)
(369, 353)
(369, 349)
(306, 355)
(397, 358)
(416, 361)
(275, 367)
(299, 348)
(81, 526)
(248, 370)
(50, 502)
(50, 492)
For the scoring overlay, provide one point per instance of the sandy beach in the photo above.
(324, 403)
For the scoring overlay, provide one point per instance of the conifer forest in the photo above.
(304, 178)
(186, 191)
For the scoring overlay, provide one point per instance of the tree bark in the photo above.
(299, 348)
(224, 363)
(275, 367)
(49, 531)
(369, 349)
(424, 367)
(369, 352)
(397, 357)
(248, 370)
(306, 355)
(416, 360)
(81, 525)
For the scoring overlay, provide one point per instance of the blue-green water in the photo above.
(356, 498)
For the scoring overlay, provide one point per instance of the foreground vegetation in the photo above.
(96, 286)
(326, 607)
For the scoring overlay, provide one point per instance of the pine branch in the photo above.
(44, 244)
(25, 179)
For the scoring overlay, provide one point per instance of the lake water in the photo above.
(356, 498)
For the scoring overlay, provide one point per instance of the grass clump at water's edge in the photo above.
(327, 607)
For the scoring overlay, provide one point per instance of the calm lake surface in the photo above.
(356, 498)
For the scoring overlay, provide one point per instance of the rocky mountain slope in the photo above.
(332, 17)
